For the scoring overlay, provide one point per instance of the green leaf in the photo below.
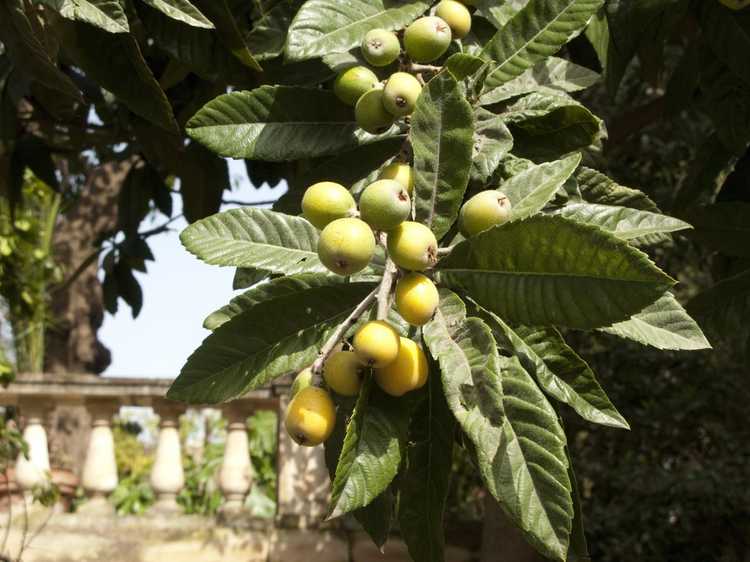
(499, 13)
(560, 372)
(462, 66)
(328, 26)
(579, 549)
(28, 52)
(547, 126)
(203, 179)
(533, 188)
(623, 222)
(257, 238)
(724, 99)
(181, 10)
(595, 187)
(727, 38)
(724, 227)
(712, 165)
(425, 480)
(108, 15)
(108, 58)
(245, 277)
(724, 308)
(492, 140)
(275, 288)
(277, 123)
(226, 28)
(663, 325)
(442, 139)
(551, 271)
(519, 443)
(538, 31)
(371, 453)
(268, 36)
(553, 74)
(261, 344)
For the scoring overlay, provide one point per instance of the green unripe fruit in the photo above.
(384, 204)
(351, 84)
(302, 380)
(401, 93)
(346, 246)
(735, 4)
(327, 201)
(380, 47)
(456, 16)
(413, 246)
(370, 113)
(427, 39)
(344, 373)
(485, 210)
(400, 172)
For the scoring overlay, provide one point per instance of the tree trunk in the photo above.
(501, 540)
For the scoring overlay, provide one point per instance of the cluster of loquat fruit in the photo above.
(348, 232)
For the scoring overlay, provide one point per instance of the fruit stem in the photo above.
(340, 332)
(445, 251)
(415, 67)
(384, 291)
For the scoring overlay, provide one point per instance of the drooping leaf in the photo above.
(203, 179)
(132, 202)
(595, 187)
(559, 371)
(27, 51)
(533, 188)
(492, 140)
(327, 26)
(425, 479)
(245, 277)
(277, 123)
(579, 549)
(550, 271)
(538, 31)
(108, 15)
(553, 74)
(713, 164)
(623, 222)
(724, 308)
(107, 58)
(723, 226)
(268, 36)
(663, 325)
(182, 10)
(727, 38)
(442, 138)
(260, 344)
(499, 13)
(226, 27)
(462, 65)
(372, 450)
(259, 238)
(275, 288)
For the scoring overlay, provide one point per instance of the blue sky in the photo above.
(179, 291)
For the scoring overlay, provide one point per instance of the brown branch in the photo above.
(634, 121)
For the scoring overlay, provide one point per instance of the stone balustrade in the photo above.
(302, 480)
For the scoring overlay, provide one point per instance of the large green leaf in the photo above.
(724, 308)
(181, 10)
(723, 226)
(519, 443)
(245, 277)
(553, 74)
(328, 26)
(268, 36)
(663, 325)
(595, 187)
(226, 27)
(372, 449)
(624, 222)
(533, 188)
(203, 179)
(108, 15)
(107, 58)
(442, 139)
(560, 371)
(258, 238)
(28, 52)
(498, 13)
(277, 123)
(262, 343)
(492, 140)
(550, 271)
(538, 31)
(425, 479)
(727, 38)
(281, 286)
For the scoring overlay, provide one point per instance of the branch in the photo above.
(384, 290)
(414, 67)
(445, 251)
(248, 203)
(340, 332)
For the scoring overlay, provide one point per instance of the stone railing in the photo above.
(302, 482)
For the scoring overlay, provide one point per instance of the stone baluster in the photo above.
(99, 478)
(234, 477)
(34, 471)
(303, 484)
(167, 476)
